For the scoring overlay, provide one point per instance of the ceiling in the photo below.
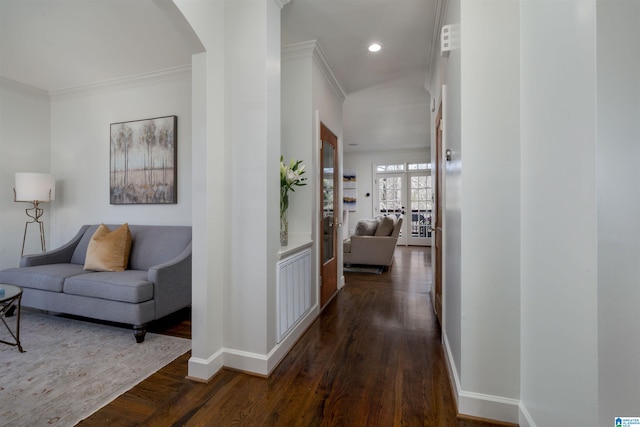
(345, 28)
(59, 44)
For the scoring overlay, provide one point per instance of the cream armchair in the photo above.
(374, 242)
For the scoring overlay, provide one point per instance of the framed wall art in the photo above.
(143, 166)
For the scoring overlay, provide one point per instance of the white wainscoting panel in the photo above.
(294, 291)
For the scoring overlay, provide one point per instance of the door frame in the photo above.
(438, 293)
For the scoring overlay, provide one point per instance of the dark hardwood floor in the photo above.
(372, 358)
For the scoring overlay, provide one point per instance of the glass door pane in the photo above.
(390, 193)
(328, 183)
(420, 206)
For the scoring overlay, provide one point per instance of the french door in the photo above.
(406, 189)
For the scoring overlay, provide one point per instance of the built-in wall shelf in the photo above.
(294, 247)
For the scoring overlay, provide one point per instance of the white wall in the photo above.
(298, 133)
(24, 147)
(80, 152)
(559, 212)
(490, 209)
(618, 209)
(362, 162)
(309, 95)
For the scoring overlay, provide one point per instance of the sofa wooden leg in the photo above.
(139, 331)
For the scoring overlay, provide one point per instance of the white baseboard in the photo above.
(525, 417)
(282, 348)
(478, 404)
(253, 363)
(204, 369)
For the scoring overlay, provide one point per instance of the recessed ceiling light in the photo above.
(375, 47)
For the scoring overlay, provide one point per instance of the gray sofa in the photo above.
(156, 283)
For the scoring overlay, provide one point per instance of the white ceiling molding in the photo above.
(176, 19)
(434, 49)
(23, 87)
(281, 3)
(312, 49)
(321, 60)
(153, 77)
(298, 50)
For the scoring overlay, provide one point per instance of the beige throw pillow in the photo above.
(386, 226)
(109, 250)
(366, 227)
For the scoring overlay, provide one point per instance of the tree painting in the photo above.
(143, 161)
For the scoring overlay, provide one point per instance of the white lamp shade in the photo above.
(35, 187)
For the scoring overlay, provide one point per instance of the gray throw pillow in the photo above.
(366, 227)
(386, 226)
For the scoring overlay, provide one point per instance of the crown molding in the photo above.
(312, 49)
(321, 60)
(434, 51)
(23, 87)
(298, 50)
(152, 77)
(281, 3)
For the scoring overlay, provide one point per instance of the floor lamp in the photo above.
(34, 188)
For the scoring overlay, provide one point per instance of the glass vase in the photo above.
(284, 229)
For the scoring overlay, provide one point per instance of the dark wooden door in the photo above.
(329, 216)
(437, 264)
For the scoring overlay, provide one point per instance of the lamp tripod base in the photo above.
(35, 213)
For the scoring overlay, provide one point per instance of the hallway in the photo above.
(372, 358)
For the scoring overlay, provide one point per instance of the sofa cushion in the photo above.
(386, 225)
(109, 250)
(366, 227)
(346, 246)
(49, 277)
(126, 286)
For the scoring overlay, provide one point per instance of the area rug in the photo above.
(359, 269)
(72, 368)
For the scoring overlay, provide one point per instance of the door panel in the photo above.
(420, 206)
(390, 199)
(329, 220)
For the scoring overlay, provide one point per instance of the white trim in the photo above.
(23, 87)
(478, 404)
(312, 49)
(263, 364)
(152, 77)
(281, 3)
(451, 367)
(321, 60)
(525, 417)
(434, 52)
(489, 407)
(276, 355)
(205, 369)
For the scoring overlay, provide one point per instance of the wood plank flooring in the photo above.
(372, 358)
